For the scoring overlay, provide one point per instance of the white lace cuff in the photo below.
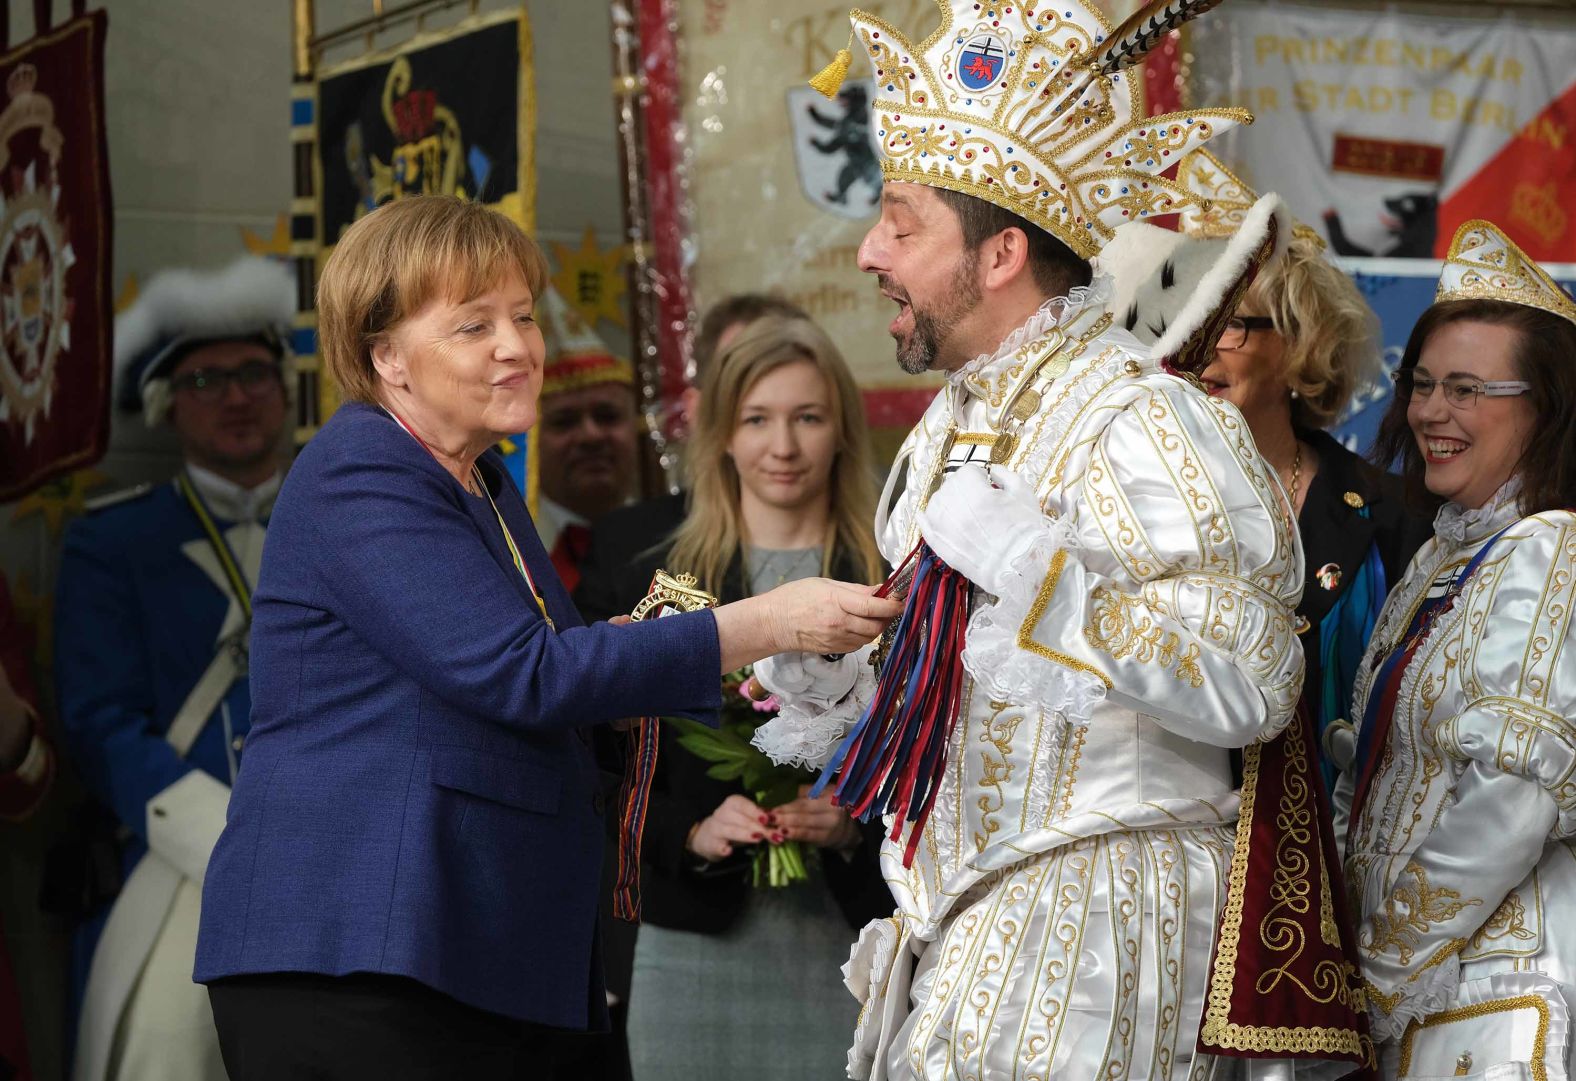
(1432, 990)
(821, 702)
(1006, 671)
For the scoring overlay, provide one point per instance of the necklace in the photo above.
(1296, 479)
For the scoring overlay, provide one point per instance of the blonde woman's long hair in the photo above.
(713, 530)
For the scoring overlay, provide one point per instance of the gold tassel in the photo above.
(829, 80)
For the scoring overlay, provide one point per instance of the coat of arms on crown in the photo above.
(1029, 106)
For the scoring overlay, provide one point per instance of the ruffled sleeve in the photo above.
(1167, 584)
(1516, 749)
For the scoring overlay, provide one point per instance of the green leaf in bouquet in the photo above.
(710, 750)
(727, 771)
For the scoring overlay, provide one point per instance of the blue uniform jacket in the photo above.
(135, 624)
(419, 797)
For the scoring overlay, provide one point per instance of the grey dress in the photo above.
(763, 1000)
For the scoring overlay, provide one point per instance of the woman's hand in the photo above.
(16, 726)
(817, 822)
(737, 821)
(814, 615)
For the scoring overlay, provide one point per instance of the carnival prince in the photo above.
(1133, 568)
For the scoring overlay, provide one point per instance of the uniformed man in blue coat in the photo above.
(153, 610)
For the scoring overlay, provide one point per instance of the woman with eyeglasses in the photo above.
(1462, 805)
(1300, 343)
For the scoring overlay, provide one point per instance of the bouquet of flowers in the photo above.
(734, 758)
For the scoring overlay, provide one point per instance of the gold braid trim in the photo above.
(1042, 601)
(1483, 1009)
(1441, 955)
(1218, 1030)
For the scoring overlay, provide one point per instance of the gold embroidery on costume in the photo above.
(1217, 1029)
(1283, 936)
(1540, 1039)
(1113, 628)
(1439, 957)
(1037, 612)
(996, 769)
(1408, 913)
(1508, 921)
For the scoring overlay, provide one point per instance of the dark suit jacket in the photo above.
(418, 798)
(1337, 538)
(627, 547)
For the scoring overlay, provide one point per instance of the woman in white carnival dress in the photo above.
(1462, 799)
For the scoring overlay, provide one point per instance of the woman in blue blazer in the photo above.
(407, 883)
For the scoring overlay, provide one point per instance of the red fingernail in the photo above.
(777, 838)
(755, 836)
(766, 820)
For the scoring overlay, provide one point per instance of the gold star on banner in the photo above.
(35, 614)
(60, 499)
(592, 280)
(128, 294)
(278, 244)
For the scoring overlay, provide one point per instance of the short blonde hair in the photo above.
(1331, 335)
(400, 257)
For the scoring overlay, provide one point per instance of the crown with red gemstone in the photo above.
(1026, 106)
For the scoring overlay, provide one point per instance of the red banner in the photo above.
(55, 306)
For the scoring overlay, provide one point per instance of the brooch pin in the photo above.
(1329, 576)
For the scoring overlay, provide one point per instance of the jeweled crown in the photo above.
(1485, 264)
(1024, 105)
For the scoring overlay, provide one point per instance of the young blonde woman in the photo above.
(733, 980)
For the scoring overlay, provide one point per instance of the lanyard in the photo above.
(221, 547)
(508, 538)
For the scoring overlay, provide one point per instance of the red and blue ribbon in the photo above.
(894, 759)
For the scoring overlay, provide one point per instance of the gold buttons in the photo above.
(1354, 501)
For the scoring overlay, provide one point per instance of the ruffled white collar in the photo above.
(1055, 312)
(1456, 525)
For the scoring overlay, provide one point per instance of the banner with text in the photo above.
(1387, 130)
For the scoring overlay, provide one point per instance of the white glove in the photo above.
(1340, 743)
(820, 701)
(808, 679)
(979, 528)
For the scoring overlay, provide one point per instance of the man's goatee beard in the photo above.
(916, 354)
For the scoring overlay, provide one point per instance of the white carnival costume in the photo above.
(1460, 856)
(1135, 578)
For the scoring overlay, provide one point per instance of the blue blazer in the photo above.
(418, 796)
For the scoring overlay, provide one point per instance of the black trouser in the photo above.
(303, 1027)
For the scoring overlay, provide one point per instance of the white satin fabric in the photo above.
(1461, 862)
(1059, 916)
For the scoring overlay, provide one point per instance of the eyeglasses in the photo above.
(255, 378)
(1234, 335)
(1461, 391)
